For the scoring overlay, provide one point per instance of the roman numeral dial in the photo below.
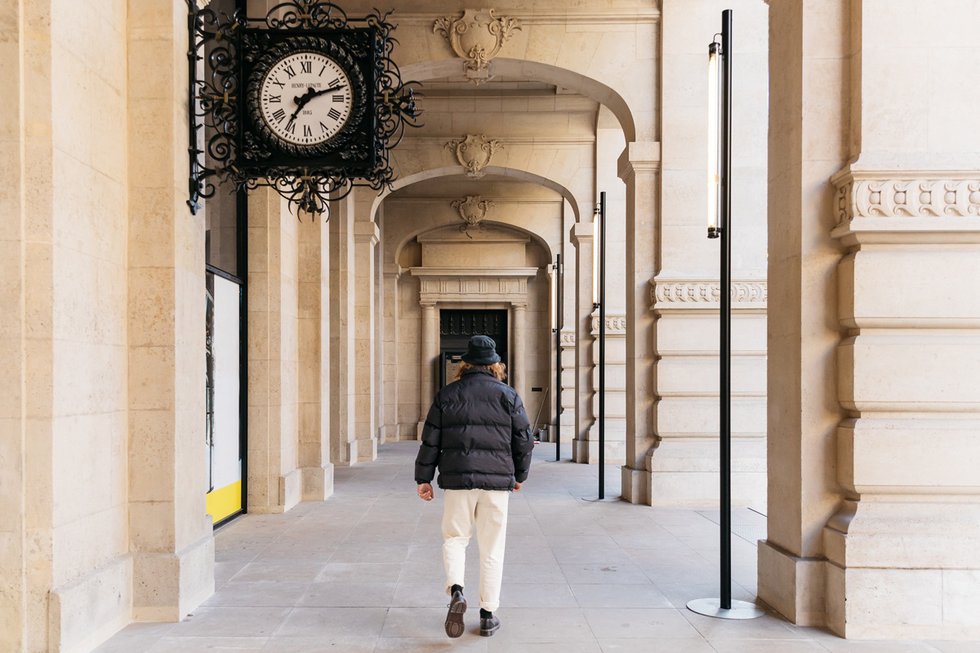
(305, 98)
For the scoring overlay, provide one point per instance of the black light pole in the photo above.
(602, 345)
(559, 310)
(720, 224)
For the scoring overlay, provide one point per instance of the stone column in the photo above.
(809, 53)
(909, 527)
(639, 167)
(379, 342)
(583, 239)
(342, 324)
(901, 546)
(609, 144)
(390, 352)
(170, 534)
(313, 340)
(427, 359)
(274, 479)
(15, 634)
(518, 354)
(365, 442)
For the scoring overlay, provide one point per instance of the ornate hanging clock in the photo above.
(304, 99)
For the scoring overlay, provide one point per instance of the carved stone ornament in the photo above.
(472, 210)
(884, 198)
(615, 325)
(695, 294)
(474, 152)
(477, 37)
(568, 339)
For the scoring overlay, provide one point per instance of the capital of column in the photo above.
(366, 232)
(582, 233)
(639, 157)
(519, 306)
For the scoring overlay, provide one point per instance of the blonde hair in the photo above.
(499, 370)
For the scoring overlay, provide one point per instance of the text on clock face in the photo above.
(306, 98)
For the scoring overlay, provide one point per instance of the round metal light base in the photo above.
(712, 608)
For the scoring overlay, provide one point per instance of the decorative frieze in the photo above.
(468, 285)
(859, 197)
(685, 294)
(476, 37)
(474, 152)
(615, 325)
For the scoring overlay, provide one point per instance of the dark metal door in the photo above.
(455, 329)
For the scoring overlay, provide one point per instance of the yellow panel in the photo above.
(224, 501)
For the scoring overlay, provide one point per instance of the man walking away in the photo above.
(478, 436)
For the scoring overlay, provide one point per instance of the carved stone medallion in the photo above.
(474, 152)
(477, 37)
(472, 210)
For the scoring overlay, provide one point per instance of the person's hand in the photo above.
(425, 491)
(517, 486)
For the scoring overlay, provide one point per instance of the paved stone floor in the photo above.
(362, 573)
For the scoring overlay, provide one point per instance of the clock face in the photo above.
(305, 98)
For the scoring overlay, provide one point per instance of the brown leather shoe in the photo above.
(454, 618)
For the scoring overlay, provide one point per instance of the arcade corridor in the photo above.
(361, 573)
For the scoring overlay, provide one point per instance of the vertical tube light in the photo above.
(714, 145)
(596, 244)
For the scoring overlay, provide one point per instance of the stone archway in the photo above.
(528, 209)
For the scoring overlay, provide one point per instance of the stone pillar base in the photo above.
(363, 450)
(636, 485)
(88, 611)
(169, 586)
(691, 489)
(904, 569)
(587, 451)
(367, 450)
(317, 482)
(685, 472)
(791, 585)
(290, 490)
(872, 603)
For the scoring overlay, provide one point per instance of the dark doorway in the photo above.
(455, 329)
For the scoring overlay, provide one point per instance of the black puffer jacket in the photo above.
(477, 434)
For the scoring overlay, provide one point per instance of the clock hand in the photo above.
(301, 101)
(323, 92)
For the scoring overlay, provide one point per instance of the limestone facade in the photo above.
(855, 412)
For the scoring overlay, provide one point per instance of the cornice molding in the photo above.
(472, 272)
(894, 194)
(697, 294)
(633, 17)
(441, 141)
(907, 206)
(469, 285)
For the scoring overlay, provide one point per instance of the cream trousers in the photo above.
(487, 509)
